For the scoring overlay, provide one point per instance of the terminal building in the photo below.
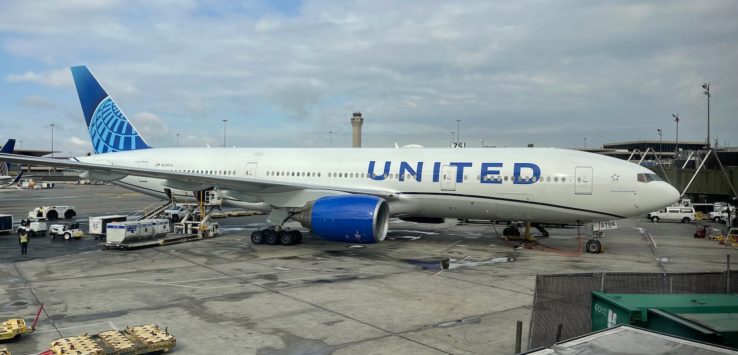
(680, 163)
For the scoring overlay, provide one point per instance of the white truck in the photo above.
(674, 214)
(721, 216)
(33, 226)
(177, 212)
(136, 231)
(66, 231)
(98, 225)
(53, 212)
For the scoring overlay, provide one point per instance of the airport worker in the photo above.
(23, 240)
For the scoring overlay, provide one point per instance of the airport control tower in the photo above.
(356, 122)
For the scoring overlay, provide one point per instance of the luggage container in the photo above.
(98, 225)
(136, 231)
(6, 223)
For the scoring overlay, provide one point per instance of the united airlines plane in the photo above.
(348, 195)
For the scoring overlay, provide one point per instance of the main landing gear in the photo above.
(275, 235)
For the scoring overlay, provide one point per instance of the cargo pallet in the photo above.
(169, 239)
(143, 339)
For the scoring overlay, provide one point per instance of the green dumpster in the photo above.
(711, 318)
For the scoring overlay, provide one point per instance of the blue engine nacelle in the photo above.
(349, 218)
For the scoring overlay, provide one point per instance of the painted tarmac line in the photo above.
(77, 327)
(652, 240)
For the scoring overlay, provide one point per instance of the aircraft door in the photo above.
(448, 178)
(143, 165)
(250, 170)
(583, 180)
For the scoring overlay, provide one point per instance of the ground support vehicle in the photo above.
(98, 226)
(33, 226)
(178, 212)
(674, 214)
(6, 223)
(4, 351)
(142, 339)
(14, 328)
(53, 212)
(66, 231)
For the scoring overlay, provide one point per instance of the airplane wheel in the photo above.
(286, 238)
(257, 237)
(270, 237)
(69, 214)
(594, 246)
(297, 236)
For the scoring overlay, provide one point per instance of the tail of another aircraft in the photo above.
(110, 130)
(7, 149)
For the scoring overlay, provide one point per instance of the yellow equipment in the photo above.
(143, 339)
(12, 329)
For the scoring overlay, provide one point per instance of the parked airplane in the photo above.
(349, 195)
(5, 178)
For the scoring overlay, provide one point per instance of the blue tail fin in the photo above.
(8, 149)
(109, 128)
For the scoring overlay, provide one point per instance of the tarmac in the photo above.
(224, 295)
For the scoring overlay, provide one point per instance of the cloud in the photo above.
(512, 71)
(79, 142)
(149, 124)
(35, 101)
(55, 78)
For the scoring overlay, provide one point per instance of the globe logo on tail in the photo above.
(110, 130)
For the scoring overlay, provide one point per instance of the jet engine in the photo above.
(350, 218)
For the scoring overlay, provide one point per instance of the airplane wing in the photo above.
(256, 187)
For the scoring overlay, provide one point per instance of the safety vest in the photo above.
(24, 238)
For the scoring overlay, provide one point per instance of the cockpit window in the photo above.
(648, 178)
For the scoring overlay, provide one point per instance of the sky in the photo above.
(286, 73)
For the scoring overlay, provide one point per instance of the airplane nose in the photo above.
(672, 194)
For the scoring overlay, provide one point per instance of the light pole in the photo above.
(706, 87)
(585, 142)
(458, 131)
(177, 140)
(224, 133)
(452, 138)
(20, 144)
(676, 147)
(330, 138)
(660, 134)
(52, 140)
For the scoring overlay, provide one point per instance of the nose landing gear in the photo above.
(593, 245)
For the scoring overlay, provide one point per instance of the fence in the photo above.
(565, 299)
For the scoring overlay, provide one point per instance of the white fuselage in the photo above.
(482, 183)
